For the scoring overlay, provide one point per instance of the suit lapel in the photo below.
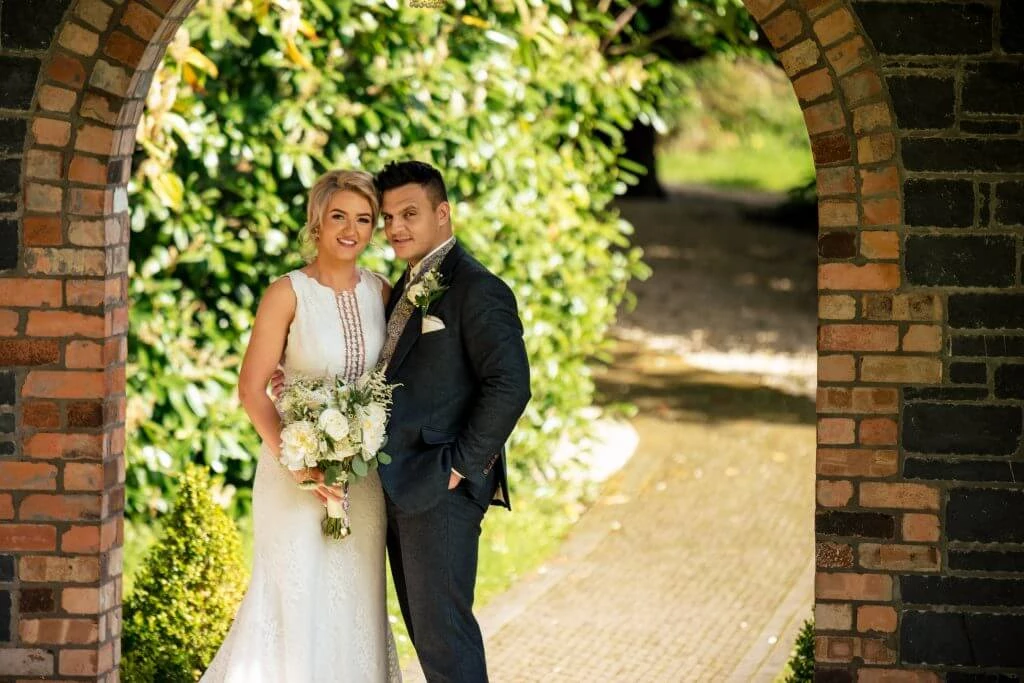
(397, 292)
(413, 327)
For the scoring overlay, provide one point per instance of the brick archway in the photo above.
(63, 321)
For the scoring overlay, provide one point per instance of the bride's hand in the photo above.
(322, 492)
(277, 384)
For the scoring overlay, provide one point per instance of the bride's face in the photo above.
(346, 226)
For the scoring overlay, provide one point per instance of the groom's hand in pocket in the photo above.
(277, 384)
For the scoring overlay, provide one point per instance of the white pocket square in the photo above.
(431, 323)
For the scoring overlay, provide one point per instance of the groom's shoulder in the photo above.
(475, 274)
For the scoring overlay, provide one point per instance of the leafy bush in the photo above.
(801, 665)
(513, 100)
(186, 593)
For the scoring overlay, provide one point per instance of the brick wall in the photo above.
(914, 111)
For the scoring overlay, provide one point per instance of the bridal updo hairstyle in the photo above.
(326, 185)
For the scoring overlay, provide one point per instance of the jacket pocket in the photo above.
(436, 437)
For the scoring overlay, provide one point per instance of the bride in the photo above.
(315, 607)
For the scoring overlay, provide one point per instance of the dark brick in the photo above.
(7, 448)
(994, 88)
(8, 205)
(1009, 204)
(829, 149)
(961, 677)
(6, 423)
(1010, 381)
(10, 176)
(6, 388)
(986, 561)
(114, 171)
(5, 616)
(8, 245)
(1011, 15)
(963, 154)
(832, 675)
(85, 414)
(36, 600)
(961, 429)
(863, 524)
(984, 198)
(939, 203)
(6, 568)
(990, 127)
(927, 28)
(975, 261)
(962, 639)
(985, 515)
(987, 311)
(994, 345)
(962, 470)
(968, 373)
(923, 101)
(12, 135)
(837, 245)
(956, 590)
(945, 393)
(19, 81)
(30, 25)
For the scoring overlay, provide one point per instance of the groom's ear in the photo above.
(444, 213)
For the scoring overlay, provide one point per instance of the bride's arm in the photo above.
(385, 288)
(266, 347)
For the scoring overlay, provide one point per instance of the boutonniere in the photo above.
(422, 294)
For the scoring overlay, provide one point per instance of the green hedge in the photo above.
(514, 101)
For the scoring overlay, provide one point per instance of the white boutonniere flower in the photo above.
(422, 294)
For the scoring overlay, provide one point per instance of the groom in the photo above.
(465, 382)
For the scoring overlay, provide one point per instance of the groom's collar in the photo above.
(446, 245)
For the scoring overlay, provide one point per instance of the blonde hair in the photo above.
(320, 195)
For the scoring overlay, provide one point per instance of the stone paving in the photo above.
(696, 562)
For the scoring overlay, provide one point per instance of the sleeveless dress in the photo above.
(315, 608)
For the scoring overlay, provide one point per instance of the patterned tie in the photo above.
(403, 310)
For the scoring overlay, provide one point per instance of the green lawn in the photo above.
(768, 163)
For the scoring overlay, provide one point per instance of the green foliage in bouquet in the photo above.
(513, 99)
(187, 591)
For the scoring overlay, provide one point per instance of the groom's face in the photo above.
(413, 225)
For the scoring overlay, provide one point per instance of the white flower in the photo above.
(343, 450)
(372, 422)
(415, 292)
(334, 424)
(299, 444)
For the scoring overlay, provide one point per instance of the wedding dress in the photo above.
(315, 607)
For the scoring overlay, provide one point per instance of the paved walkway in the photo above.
(696, 562)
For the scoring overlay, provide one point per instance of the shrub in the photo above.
(186, 592)
(801, 665)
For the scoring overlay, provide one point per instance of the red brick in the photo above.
(52, 98)
(901, 496)
(43, 231)
(835, 430)
(62, 445)
(101, 107)
(846, 462)
(881, 618)
(760, 9)
(814, 85)
(67, 70)
(837, 307)
(27, 476)
(836, 180)
(923, 338)
(6, 506)
(833, 214)
(830, 149)
(65, 323)
(43, 198)
(95, 140)
(871, 675)
(125, 49)
(40, 414)
(835, 26)
(920, 527)
(141, 21)
(850, 586)
(94, 12)
(79, 662)
(899, 557)
(66, 261)
(83, 477)
(28, 537)
(863, 86)
(901, 369)
(799, 57)
(831, 616)
(86, 292)
(80, 539)
(824, 117)
(44, 164)
(89, 171)
(85, 414)
(849, 55)
(110, 78)
(783, 29)
(88, 600)
(9, 322)
(836, 368)
(880, 244)
(82, 354)
(41, 507)
(834, 494)
(917, 307)
(88, 202)
(875, 148)
(878, 431)
(872, 117)
(884, 180)
(59, 631)
(21, 352)
(833, 555)
(78, 39)
(875, 400)
(51, 132)
(54, 569)
(882, 211)
(858, 337)
(872, 276)
(31, 292)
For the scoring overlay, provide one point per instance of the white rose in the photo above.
(299, 443)
(334, 424)
(373, 439)
(342, 451)
(416, 291)
(372, 419)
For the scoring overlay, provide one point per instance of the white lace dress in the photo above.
(315, 607)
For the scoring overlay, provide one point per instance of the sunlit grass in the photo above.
(764, 163)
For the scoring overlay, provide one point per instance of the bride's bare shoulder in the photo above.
(280, 294)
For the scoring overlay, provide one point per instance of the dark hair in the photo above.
(399, 173)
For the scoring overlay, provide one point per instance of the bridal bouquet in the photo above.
(339, 428)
